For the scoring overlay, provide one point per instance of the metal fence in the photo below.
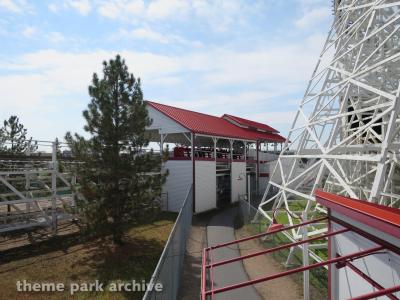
(36, 187)
(254, 223)
(170, 266)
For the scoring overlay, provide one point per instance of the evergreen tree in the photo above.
(14, 134)
(2, 141)
(118, 182)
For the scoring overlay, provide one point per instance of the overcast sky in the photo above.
(246, 58)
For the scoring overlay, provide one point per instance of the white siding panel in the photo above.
(384, 268)
(205, 186)
(178, 181)
(164, 123)
(238, 186)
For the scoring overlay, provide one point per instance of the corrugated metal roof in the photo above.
(211, 125)
(249, 123)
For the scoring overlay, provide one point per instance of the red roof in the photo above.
(249, 123)
(211, 125)
(381, 217)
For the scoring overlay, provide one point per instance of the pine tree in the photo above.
(118, 181)
(2, 141)
(13, 135)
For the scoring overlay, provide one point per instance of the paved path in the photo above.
(219, 230)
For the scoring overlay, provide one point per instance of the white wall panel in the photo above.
(178, 181)
(384, 268)
(205, 186)
(238, 187)
(164, 123)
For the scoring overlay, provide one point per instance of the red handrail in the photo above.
(265, 233)
(378, 293)
(296, 270)
(223, 262)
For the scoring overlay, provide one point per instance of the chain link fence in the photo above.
(170, 266)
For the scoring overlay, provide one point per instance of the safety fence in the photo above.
(253, 222)
(170, 266)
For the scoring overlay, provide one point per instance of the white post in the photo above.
(249, 194)
(162, 137)
(54, 188)
(215, 148)
(28, 181)
(306, 274)
(192, 142)
(245, 154)
(231, 152)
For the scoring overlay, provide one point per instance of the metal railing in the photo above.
(255, 223)
(170, 266)
(36, 188)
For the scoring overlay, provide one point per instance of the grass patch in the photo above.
(72, 258)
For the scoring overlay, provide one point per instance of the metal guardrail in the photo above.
(170, 265)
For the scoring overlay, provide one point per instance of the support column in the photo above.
(245, 154)
(54, 187)
(215, 148)
(231, 148)
(192, 143)
(257, 166)
(306, 274)
(162, 139)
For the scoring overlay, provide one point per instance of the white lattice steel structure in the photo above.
(345, 137)
(34, 191)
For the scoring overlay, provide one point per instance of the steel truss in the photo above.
(345, 137)
(35, 190)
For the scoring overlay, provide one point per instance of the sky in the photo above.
(246, 58)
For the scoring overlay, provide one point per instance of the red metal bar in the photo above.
(369, 279)
(203, 274)
(296, 270)
(266, 233)
(378, 293)
(329, 257)
(367, 235)
(211, 277)
(227, 261)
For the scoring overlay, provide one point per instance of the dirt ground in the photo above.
(282, 288)
(70, 258)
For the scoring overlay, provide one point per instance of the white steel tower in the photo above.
(345, 136)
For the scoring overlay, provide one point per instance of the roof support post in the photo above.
(215, 147)
(162, 139)
(231, 149)
(257, 165)
(306, 273)
(186, 136)
(192, 142)
(54, 186)
(245, 153)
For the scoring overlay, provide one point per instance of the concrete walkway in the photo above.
(219, 230)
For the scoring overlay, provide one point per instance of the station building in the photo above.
(221, 157)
